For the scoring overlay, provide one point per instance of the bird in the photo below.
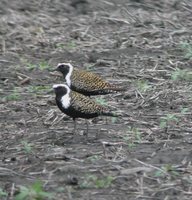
(84, 82)
(77, 105)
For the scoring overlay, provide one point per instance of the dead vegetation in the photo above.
(144, 45)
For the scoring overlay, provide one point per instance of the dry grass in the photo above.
(146, 153)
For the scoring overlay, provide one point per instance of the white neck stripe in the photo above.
(65, 100)
(68, 77)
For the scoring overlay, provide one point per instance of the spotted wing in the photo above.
(85, 105)
(87, 81)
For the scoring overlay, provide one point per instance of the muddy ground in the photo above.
(146, 153)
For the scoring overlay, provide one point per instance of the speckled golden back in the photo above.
(85, 104)
(88, 81)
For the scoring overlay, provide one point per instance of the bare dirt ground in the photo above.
(142, 45)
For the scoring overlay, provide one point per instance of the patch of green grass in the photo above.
(60, 46)
(70, 45)
(104, 182)
(43, 65)
(101, 101)
(92, 181)
(143, 85)
(136, 133)
(167, 120)
(33, 192)
(133, 136)
(93, 158)
(89, 67)
(14, 96)
(39, 89)
(187, 48)
(28, 65)
(167, 170)
(113, 120)
(31, 66)
(3, 193)
(184, 110)
(26, 147)
(131, 145)
(181, 74)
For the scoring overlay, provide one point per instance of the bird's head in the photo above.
(64, 68)
(61, 89)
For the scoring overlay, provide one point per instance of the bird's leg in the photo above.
(75, 126)
(87, 124)
(97, 134)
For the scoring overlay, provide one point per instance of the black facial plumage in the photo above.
(63, 68)
(60, 91)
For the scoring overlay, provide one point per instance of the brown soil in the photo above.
(135, 44)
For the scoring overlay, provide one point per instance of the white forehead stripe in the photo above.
(68, 77)
(64, 64)
(58, 85)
